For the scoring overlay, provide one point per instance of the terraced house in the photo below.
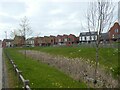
(7, 43)
(38, 41)
(30, 42)
(52, 40)
(72, 39)
(114, 32)
(59, 40)
(67, 40)
(64, 39)
(104, 39)
(44, 41)
(88, 37)
(56, 40)
(111, 36)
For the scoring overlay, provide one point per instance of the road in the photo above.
(0, 68)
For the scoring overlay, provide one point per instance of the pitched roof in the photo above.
(52, 36)
(7, 40)
(19, 37)
(32, 38)
(115, 24)
(88, 33)
(104, 36)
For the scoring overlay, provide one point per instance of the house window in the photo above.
(92, 37)
(87, 38)
(79, 38)
(113, 36)
(31, 42)
(59, 40)
(83, 38)
(65, 39)
(68, 39)
(116, 30)
(96, 37)
(51, 40)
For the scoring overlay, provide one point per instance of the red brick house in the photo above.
(56, 40)
(36, 43)
(65, 39)
(114, 32)
(59, 40)
(40, 41)
(72, 39)
(47, 41)
(44, 41)
(52, 40)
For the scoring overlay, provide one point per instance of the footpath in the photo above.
(0, 68)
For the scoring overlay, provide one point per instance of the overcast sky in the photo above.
(47, 17)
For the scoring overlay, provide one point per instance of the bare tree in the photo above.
(25, 29)
(13, 33)
(99, 18)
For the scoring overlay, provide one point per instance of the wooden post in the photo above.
(19, 73)
(26, 82)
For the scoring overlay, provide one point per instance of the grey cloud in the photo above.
(44, 17)
(13, 8)
(8, 20)
(41, 19)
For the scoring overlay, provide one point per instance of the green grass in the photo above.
(41, 75)
(107, 56)
(12, 78)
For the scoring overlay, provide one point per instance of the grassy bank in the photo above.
(107, 56)
(11, 79)
(41, 75)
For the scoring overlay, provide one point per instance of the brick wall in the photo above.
(114, 32)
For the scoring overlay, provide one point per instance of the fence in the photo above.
(18, 72)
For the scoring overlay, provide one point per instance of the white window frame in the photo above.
(59, 40)
(87, 38)
(113, 36)
(83, 38)
(65, 39)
